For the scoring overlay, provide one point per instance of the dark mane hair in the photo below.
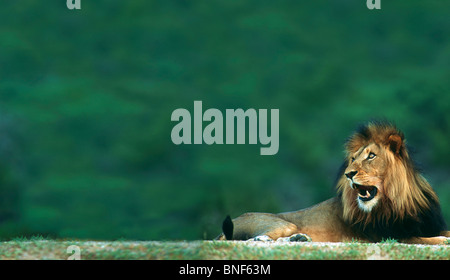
(414, 210)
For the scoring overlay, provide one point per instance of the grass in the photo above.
(41, 248)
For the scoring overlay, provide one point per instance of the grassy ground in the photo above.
(215, 250)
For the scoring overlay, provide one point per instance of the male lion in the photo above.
(380, 195)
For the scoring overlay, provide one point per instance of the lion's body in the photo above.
(321, 222)
(380, 195)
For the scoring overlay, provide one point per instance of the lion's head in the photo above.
(379, 183)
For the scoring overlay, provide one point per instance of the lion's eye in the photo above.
(353, 159)
(371, 156)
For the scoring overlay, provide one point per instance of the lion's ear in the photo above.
(395, 143)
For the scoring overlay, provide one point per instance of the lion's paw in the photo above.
(298, 237)
(264, 238)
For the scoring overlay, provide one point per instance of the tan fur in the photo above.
(401, 187)
(378, 157)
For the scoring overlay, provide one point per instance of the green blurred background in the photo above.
(86, 100)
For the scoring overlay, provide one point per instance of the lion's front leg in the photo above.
(436, 240)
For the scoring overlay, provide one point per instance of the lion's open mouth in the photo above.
(365, 193)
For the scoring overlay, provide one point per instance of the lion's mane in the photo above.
(408, 205)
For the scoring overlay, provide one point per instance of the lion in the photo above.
(380, 196)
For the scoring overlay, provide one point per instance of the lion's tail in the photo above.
(227, 229)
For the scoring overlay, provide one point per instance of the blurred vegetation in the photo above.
(86, 98)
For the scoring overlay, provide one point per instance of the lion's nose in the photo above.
(351, 174)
